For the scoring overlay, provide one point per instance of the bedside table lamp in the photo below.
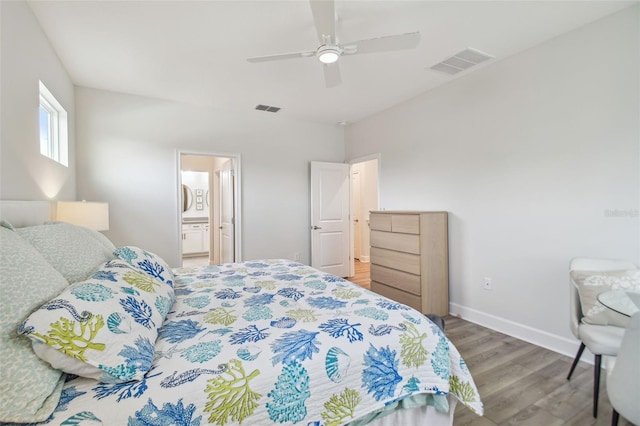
(92, 215)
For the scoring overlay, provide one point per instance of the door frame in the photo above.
(227, 167)
(356, 198)
(237, 205)
(351, 162)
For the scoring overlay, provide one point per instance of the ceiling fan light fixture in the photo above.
(328, 57)
(328, 54)
(326, 22)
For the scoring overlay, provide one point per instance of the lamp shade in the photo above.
(91, 215)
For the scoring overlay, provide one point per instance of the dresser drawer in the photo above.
(402, 223)
(398, 295)
(397, 260)
(405, 223)
(397, 279)
(380, 222)
(407, 243)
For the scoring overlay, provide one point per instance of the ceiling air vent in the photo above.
(461, 61)
(267, 108)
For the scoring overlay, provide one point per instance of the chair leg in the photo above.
(575, 361)
(596, 384)
(614, 418)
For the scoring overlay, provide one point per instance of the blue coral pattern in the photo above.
(298, 346)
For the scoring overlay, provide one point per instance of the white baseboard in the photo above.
(553, 342)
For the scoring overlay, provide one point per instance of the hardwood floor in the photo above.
(362, 276)
(524, 384)
(520, 383)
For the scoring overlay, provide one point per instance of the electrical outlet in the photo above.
(487, 284)
(296, 256)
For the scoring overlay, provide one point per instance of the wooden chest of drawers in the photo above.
(410, 259)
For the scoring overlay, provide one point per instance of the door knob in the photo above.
(314, 227)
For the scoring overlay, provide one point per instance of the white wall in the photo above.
(26, 58)
(196, 180)
(127, 155)
(528, 155)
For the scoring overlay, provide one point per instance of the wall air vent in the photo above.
(461, 61)
(267, 108)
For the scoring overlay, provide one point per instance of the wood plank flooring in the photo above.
(363, 275)
(520, 383)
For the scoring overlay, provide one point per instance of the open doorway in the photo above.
(209, 209)
(364, 190)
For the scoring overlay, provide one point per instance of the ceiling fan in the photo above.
(331, 49)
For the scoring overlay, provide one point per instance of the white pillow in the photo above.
(103, 328)
(147, 262)
(592, 283)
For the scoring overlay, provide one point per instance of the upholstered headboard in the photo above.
(25, 213)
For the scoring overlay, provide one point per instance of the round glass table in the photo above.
(624, 302)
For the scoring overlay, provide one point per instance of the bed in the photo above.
(260, 342)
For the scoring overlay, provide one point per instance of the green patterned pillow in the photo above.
(105, 327)
(7, 225)
(73, 250)
(98, 236)
(29, 388)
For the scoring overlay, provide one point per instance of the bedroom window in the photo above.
(53, 128)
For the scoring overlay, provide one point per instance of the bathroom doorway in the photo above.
(209, 208)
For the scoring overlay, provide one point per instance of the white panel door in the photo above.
(330, 223)
(227, 219)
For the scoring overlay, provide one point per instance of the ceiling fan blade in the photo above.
(383, 44)
(282, 56)
(332, 76)
(324, 16)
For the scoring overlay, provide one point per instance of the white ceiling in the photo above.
(195, 51)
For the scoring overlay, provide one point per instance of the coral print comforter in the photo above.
(274, 341)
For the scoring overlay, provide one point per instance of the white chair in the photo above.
(623, 376)
(599, 339)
